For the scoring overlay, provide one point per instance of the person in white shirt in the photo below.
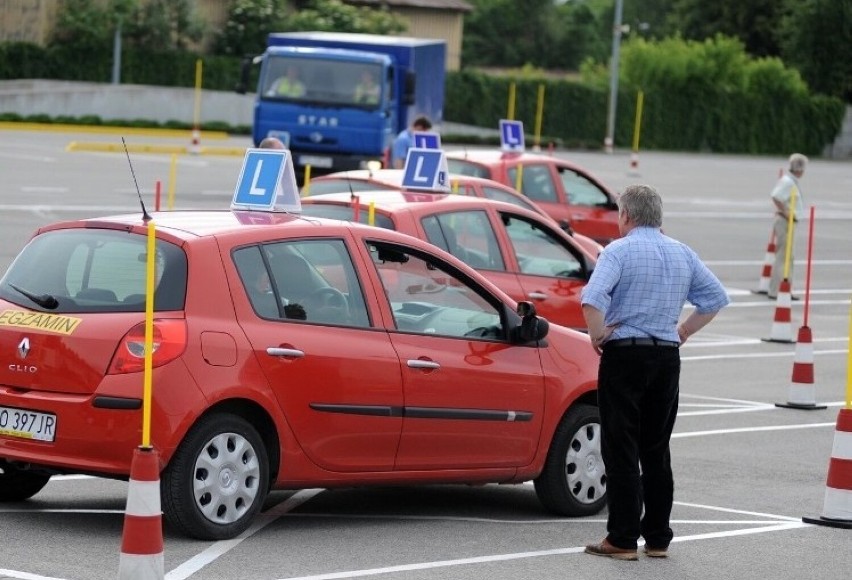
(787, 199)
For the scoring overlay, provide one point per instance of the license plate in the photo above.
(315, 161)
(27, 424)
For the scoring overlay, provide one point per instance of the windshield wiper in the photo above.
(43, 300)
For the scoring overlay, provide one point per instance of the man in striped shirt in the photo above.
(632, 305)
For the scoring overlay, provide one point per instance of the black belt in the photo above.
(641, 341)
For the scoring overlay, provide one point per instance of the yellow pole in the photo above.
(788, 247)
(172, 174)
(510, 115)
(640, 98)
(371, 213)
(454, 186)
(849, 368)
(519, 179)
(306, 186)
(149, 335)
(196, 119)
(539, 113)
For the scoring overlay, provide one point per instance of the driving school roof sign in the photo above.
(511, 136)
(267, 182)
(426, 169)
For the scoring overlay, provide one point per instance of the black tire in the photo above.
(573, 481)
(20, 484)
(218, 479)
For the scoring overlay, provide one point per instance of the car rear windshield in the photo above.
(321, 186)
(346, 213)
(462, 167)
(93, 270)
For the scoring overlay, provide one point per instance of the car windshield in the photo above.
(322, 81)
(346, 213)
(91, 270)
(463, 167)
(343, 185)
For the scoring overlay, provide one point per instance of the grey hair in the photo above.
(798, 162)
(643, 205)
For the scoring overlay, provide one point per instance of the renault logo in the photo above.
(24, 348)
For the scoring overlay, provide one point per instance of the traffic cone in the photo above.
(195, 145)
(142, 538)
(766, 272)
(782, 329)
(802, 391)
(634, 163)
(837, 509)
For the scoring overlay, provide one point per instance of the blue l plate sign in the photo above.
(267, 182)
(426, 169)
(511, 136)
(427, 140)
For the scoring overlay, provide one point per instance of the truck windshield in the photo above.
(330, 82)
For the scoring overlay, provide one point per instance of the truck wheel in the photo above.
(20, 484)
(573, 481)
(217, 480)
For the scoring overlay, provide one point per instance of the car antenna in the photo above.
(145, 216)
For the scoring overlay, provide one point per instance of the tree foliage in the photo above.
(335, 16)
(249, 23)
(816, 37)
(89, 25)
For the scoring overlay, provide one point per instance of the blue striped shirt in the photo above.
(642, 281)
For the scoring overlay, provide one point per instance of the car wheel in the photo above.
(573, 482)
(20, 484)
(217, 480)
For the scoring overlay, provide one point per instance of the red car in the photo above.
(391, 179)
(289, 352)
(565, 191)
(524, 253)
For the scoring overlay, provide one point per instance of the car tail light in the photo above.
(169, 342)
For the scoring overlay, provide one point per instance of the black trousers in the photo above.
(638, 399)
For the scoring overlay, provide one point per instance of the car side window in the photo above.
(539, 251)
(467, 235)
(536, 182)
(580, 190)
(308, 280)
(427, 296)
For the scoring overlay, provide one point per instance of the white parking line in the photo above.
(774, 525)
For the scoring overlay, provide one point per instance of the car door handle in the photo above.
(285, 352)
(423, 364)
(537, 295)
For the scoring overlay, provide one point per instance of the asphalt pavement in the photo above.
(746, 470)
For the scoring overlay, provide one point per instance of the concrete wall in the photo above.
(124, 102)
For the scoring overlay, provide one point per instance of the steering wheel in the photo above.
(328, 297)
(481, 332)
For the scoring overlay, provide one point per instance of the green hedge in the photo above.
(767, 120)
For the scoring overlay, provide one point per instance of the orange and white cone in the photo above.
(634, 163)
(142, 538)
(782, 328)
(837, 510)
(766, 271)
(195, 145)
(802, 391)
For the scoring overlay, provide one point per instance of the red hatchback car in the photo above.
(525, 254)
(289, 352)
(565, 191)
(391, 179)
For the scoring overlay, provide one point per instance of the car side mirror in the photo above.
(532, 327)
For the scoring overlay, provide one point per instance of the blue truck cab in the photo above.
(337, 100)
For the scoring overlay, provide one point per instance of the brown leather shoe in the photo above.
(609, 551)
(656, 552)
